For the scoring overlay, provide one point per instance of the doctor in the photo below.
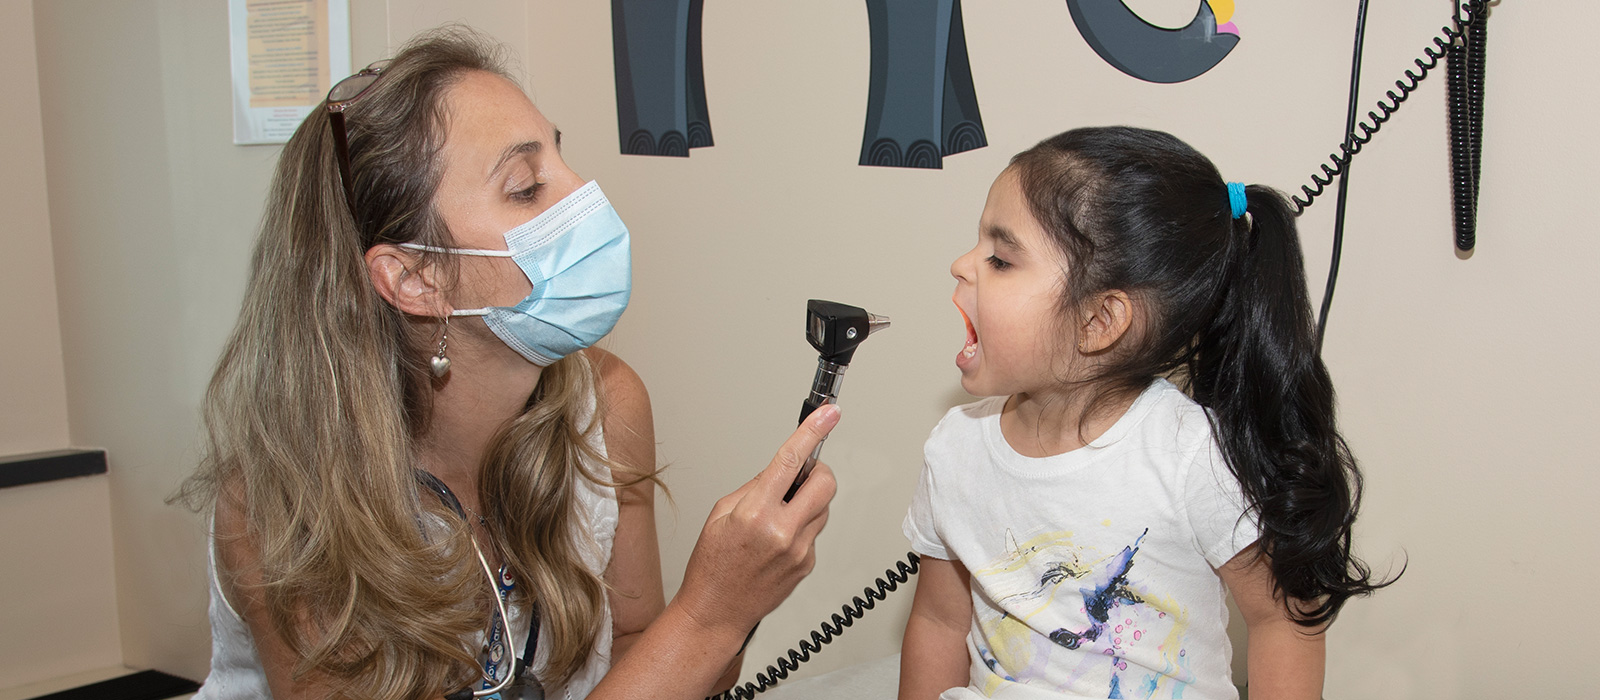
(424, 480)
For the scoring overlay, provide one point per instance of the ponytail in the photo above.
(1256, 367)
(1223, 287)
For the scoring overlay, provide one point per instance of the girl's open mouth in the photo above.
(971, 347)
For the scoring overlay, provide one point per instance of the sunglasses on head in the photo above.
(343, 94)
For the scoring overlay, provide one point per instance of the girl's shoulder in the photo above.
(1170, 414)
(961, 432)
(968, 419)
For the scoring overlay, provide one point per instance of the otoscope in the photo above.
(835, 330)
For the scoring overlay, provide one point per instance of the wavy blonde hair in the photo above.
(314, 412)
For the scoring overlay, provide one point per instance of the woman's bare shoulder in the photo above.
(629, 425)
(621, 387)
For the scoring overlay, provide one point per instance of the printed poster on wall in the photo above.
(285, 56)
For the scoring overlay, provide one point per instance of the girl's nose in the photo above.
(961, 269)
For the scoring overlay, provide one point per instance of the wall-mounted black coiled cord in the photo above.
(1464, 71)
(849, 613)
(1467, 14)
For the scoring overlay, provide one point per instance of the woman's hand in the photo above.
(753, 551)
(755, 548)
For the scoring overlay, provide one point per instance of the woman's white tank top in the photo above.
(236, 672)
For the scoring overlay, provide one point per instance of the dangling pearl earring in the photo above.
(440, 363)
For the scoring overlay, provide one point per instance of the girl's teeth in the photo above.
(970, 350)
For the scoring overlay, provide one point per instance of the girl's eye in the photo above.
(997, 263)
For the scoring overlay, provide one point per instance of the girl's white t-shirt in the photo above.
(1093, 571)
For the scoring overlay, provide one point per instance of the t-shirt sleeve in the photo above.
(919, 523)
(1216, 508)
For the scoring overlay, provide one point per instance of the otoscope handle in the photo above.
(824, 390)
(824, 386)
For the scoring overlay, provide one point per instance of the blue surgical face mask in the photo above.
(576, 256)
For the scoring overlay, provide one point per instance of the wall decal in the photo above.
(661, 89)
(921, 105)
(1152, 53)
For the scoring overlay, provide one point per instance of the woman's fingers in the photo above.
(755, 547)
(783, 468)
(808, 536)
(789, 529)
(786, 465)
(822, 491)
(815, 495)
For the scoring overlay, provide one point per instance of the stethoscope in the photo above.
(515, 668)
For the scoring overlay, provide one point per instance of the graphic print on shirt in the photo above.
(1070, 606)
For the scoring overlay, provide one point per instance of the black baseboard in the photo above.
(37, 467)
(144, 685)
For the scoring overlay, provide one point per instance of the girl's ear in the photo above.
(408, 285)
(1109, 318)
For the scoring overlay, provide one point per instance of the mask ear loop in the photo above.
(480, 252)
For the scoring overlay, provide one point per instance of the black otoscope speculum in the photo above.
(835, 330)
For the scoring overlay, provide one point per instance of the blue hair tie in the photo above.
(1236, 199)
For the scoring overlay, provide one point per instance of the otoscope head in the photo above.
(836, 329)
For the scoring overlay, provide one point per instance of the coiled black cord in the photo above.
(1464, 71)
(1462, 46)
(1467, 15)
(847, 615)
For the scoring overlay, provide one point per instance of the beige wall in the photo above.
(56, 579)
(1465, 384)
(33, 399)
(60, 613)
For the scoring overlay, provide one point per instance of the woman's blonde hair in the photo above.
(323, 390)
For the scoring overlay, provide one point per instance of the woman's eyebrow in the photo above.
(516, 150)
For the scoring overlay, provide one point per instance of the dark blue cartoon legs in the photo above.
(921, 105)
(661, 91)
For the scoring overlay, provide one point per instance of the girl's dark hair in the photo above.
(1225, 306)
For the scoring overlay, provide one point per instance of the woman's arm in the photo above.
(1286, 660)
(752, 552)
(239, 573)
(933, 655)
(634, 574)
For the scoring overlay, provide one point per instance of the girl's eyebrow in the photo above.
(1002, 236)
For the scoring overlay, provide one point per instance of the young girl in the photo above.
(1080, 527)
